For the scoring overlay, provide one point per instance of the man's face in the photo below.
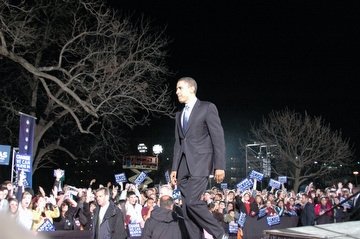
(101, 198)
(184, 92)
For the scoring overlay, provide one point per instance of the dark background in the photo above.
(253, 57)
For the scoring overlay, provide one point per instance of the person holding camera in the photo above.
(44, 208)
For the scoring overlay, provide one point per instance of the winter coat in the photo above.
(112, 226)
(163, 223)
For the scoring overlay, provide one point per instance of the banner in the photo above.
(242, 219)
(140, 178)
(282, 179)
(256, 175)
(120, 178)
(223, 186)
(134, 230)
(5, 154)
(26, 141)
(274, 184)
(274, 220)
(245, 185)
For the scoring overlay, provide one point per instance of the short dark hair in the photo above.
(190, 81)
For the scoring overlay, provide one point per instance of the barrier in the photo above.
(254, 229)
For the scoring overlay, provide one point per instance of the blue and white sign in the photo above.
(120, 178)
(274, 184)
(273, 220)
(176, 194)
(5, 154)
(233, 227)
(242, 219)
(282, 179)
(47, 226)
(244, 185)
(142, 176)
(256, 175)
(223, 186)
(134, 230)
(262, 212)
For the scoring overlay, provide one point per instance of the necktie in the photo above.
(185, 117)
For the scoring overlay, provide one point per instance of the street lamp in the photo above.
(142, 148)
(356, 173)
(157, 149)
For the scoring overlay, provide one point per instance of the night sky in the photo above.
(253, 57)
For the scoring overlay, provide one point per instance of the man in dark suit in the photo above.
(108, 218)
(199, 151)
(307, 215)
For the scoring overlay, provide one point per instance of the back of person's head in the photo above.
(166, 202)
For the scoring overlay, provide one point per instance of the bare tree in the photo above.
(80, 68)
(306, 148)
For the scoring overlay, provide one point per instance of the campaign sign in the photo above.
(242, 219)
(176, 194)
(4, 154)
(256, 175)
(262, 212)
(282, 179)
(167, 177)
(233, 227)
(120, 178)
(47, 226)
(223, 186)
(134, 230)
(244, 185)
(23, 162)
(274, 184)
(273, 220)
(142, 176)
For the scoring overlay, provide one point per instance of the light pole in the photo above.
(356, 173)
(142, 148)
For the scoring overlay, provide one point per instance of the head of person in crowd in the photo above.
(38, 203)
(230, 196)
(165, 190)
(3, 192)
(246, 197)
(102, 196)
(13, 207)
(270, 197)
(207, 196)
(26, 199)
(132, 198)
(304, 199)
(167, 202)
(218, 196)
(259, 200)
(10, 187)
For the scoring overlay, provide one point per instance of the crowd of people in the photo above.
(154, 212)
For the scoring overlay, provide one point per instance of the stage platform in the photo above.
(343, 230)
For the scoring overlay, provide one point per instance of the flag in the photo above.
(24, 157)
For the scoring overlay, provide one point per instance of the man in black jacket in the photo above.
(108, 218)
(163, 222)
(307, 216)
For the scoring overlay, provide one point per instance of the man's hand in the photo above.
(219, 175)
(173, 178)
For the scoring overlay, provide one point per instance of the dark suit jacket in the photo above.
(112, 226)
(307, 216)
(203, 142)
